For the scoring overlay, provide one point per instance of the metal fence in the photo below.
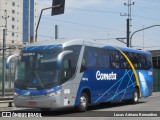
(9, 77)
(156, 80)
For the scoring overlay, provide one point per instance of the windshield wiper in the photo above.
(39, 80)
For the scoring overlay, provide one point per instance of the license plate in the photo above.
(32, 103)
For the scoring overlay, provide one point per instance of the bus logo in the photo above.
(106, 76)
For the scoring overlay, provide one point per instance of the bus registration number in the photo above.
(32, 103)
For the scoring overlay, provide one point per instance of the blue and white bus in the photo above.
(65, 73)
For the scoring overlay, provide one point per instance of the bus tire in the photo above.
(135, 97)
(83, 102)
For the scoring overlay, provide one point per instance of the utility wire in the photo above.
(154, 9)
(29, 34)
(86, 25)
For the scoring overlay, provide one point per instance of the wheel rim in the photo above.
(135, 96)
(83, 101)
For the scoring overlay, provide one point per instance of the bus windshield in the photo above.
(37, 70)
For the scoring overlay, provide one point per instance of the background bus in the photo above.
(66, 73)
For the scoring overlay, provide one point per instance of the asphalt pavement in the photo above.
(145, 106)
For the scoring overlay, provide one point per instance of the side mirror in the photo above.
(9, 59)
(62, 54)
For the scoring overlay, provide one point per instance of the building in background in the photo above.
(18, 18)
(11, 16)
(29, 20)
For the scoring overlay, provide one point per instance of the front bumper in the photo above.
(38, 101)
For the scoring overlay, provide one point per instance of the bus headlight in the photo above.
(16, 94)
(54, 93)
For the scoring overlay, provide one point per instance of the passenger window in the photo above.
(143, 61)
(66, 70)
(140, 61)
(89, 59)
(124, 63)
(69, 63)
(103, 58)
(148, 62)
(115, 58)
(136, 60)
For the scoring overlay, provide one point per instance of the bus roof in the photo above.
(69, 42)
(133, 50)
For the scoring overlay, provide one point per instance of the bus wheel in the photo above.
(135, 97)
(83, 102)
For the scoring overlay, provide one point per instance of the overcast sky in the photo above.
(100, 19)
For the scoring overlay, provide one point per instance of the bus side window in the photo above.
(126, 63)
(89, 59)
(84, 62)
(115, 58)
(148, 62)
(103, 58)
(123, 62)
(69, 65)
(142, 61)
(136, 60)
(66, 70)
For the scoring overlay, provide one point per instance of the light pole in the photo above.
(3, 64)
(139, 31)
(40, 18)
(3, 54)
(57, 8)
(129, 4)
